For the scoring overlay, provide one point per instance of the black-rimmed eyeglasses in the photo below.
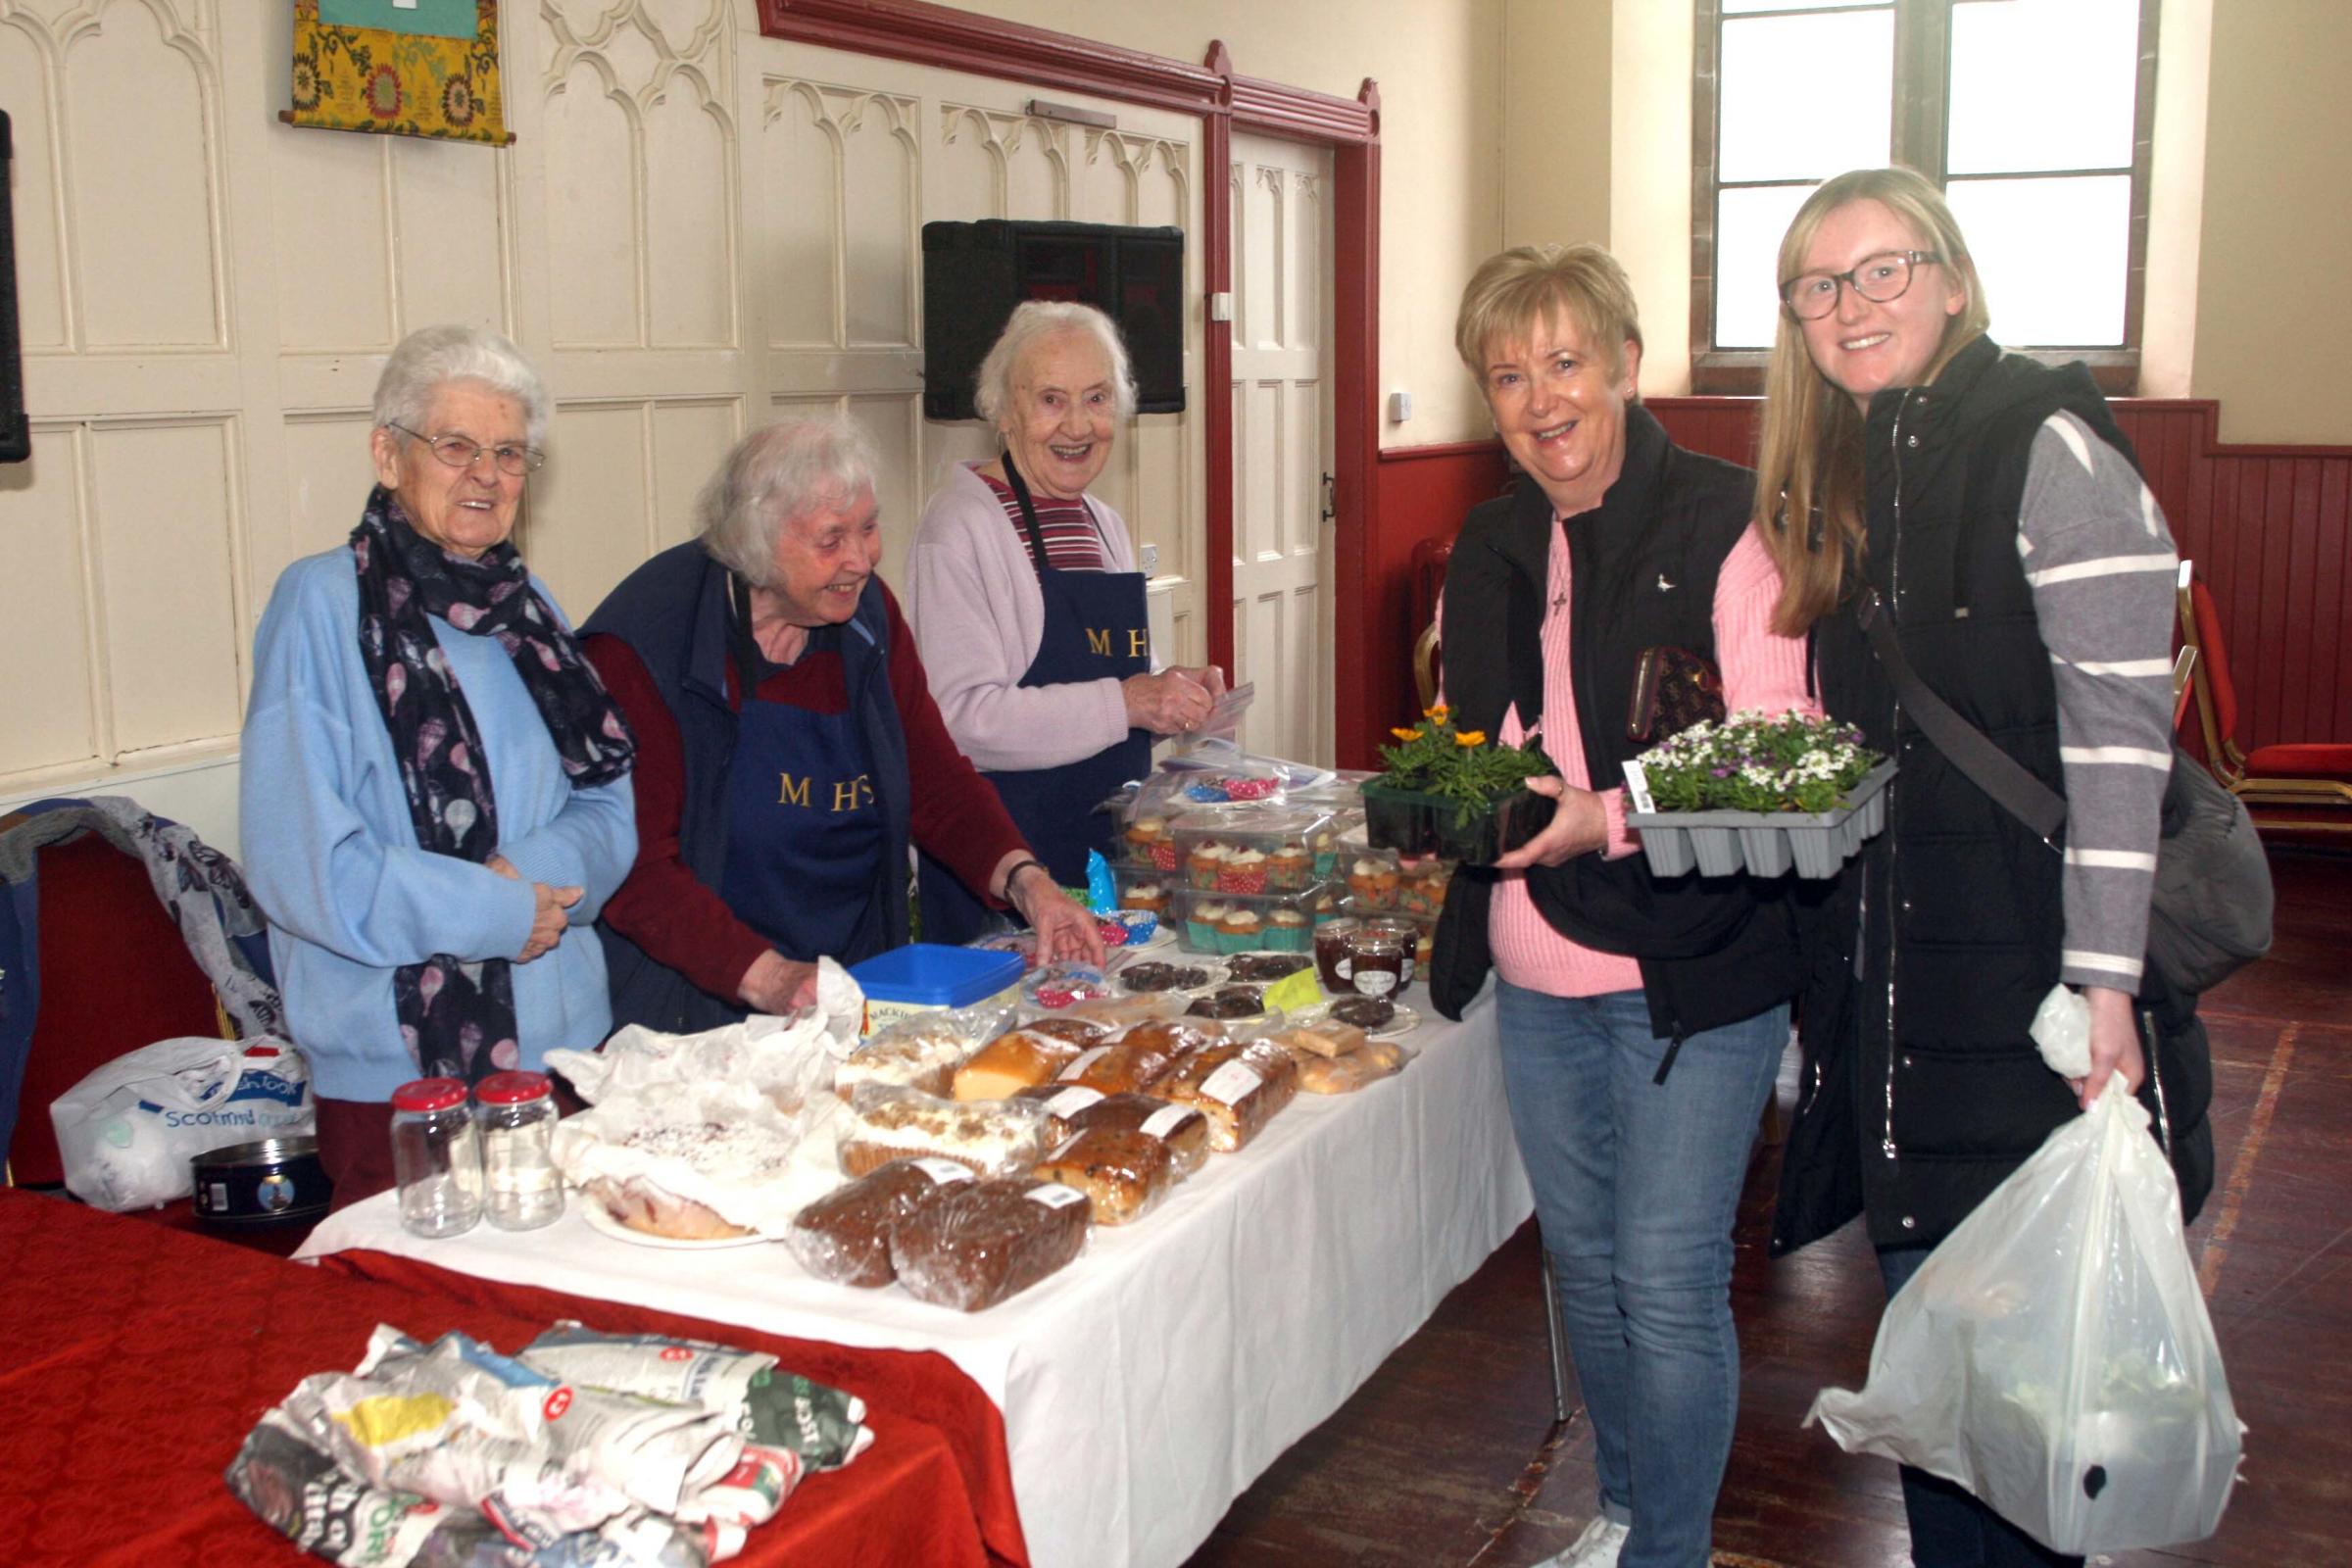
(1879, 278)
(460, 453)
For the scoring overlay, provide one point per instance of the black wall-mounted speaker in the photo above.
(975, 273)
(16, 436)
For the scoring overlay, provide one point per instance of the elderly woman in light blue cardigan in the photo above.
(435, 784)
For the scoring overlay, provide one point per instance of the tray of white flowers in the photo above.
(1757, 793)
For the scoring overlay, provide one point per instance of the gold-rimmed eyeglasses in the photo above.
(1881, 280)
(461, 452)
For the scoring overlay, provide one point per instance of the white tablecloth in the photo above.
(1146, 1385)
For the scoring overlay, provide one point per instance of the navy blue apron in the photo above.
(1094, 626)
(803, 829)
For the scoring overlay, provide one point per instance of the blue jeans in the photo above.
(1950, 1527)
(1636, 1184)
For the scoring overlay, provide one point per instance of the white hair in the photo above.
(993, 388)
(774, 475)
(432, 356)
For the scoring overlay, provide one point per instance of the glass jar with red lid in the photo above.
(517, 1111)
(436, 1157)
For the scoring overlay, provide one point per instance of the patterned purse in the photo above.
(1674, 689)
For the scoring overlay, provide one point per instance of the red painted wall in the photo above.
(2270, 529)
(1423, 494)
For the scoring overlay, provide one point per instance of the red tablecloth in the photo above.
(135, 1360)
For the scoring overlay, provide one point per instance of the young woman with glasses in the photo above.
(1992, 508)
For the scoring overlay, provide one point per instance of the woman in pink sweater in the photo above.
(1641, 1020)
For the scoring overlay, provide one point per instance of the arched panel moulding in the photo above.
(1365, 622)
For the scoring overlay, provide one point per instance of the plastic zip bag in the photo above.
(2053, 1356)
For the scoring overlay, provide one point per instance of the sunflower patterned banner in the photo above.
(405, 68)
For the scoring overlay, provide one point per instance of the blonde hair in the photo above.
(1514, 290)
(1809, 479)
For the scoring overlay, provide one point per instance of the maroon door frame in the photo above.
(938, 36)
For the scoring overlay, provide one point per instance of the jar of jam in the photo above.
(1376, 961)
(1405, 931)
(1332, 963)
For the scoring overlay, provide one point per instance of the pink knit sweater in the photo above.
(973, 596)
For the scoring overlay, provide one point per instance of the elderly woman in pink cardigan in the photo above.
(1028, 607)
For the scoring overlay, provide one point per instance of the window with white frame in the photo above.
(2032, 115)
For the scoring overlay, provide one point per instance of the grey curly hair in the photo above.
(774, 475)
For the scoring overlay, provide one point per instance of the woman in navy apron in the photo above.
(1024, 592)
(793, 756)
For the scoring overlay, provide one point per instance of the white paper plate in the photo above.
(598, 1220)
(1405, 1022)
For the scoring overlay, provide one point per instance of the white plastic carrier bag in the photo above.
(2053, 1356)
(126, 1132)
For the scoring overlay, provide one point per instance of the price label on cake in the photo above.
(1296, 991)
(1054, 1195)
(1071, 1100)
(943, 1172)
(1165, 1121)
(1085, 1060)
(1232, 1083)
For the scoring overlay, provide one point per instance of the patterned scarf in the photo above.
(457, 1015)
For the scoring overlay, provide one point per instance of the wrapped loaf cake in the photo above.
(918, 1053)
(992, 1136)
(1123, 1174)
(1128, 1066)
(981, 1244)
(1012, 1062)
(1239, 1087)
(1181, 1127)
(845, 1236)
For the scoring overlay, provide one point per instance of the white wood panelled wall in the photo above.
(699, 229)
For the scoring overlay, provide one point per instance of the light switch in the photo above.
(1400, 406)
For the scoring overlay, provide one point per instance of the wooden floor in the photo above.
(1449, 1457)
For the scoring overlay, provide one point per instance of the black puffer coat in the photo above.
(1920, 1087)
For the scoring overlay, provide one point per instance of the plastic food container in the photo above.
(1146, 887)
(929, 977)
(1375, 879)
(1146, 841)
(1421, 886)
(1238, 850)
(1274, 922)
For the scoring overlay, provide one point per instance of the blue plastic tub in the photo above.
(927, 977)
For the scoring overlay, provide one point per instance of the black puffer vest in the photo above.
(1712, 951)
(1921, 1088)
